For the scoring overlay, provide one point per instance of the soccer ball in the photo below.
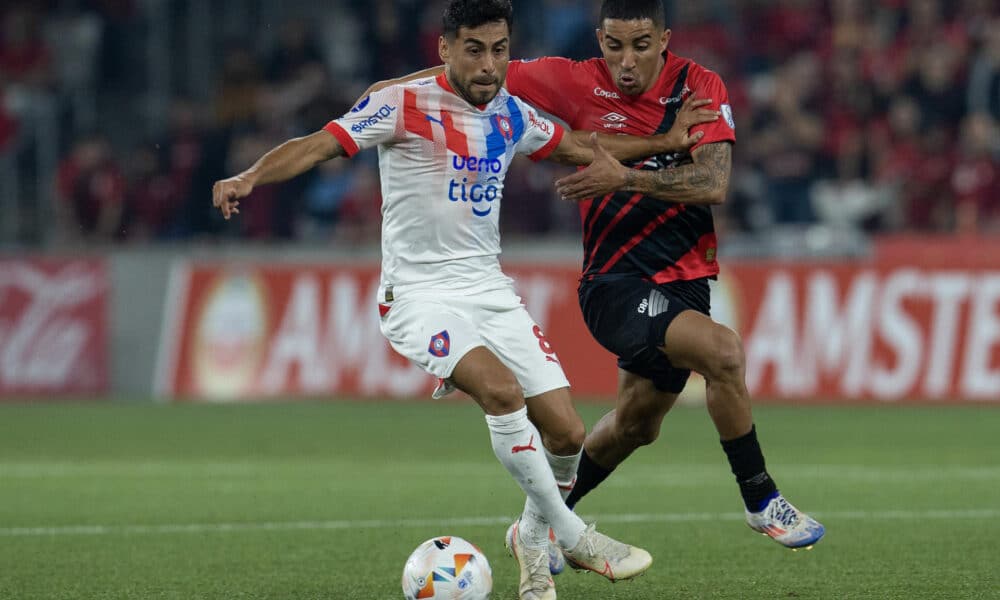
(447, 568)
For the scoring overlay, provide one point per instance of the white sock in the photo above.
(535, 525)
(564, 470)
(519, 447)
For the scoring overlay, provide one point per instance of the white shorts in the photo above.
(435, 330)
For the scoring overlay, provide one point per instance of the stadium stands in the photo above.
(117, 115)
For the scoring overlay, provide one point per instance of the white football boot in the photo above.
(557, 563)
(536, 581)
(607, 557)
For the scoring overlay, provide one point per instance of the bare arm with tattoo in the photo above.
(705, 181)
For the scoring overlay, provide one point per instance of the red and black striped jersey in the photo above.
(625, 233)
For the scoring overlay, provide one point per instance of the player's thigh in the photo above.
(521, 343)
(516, 338)
(618, 315)
(482, 375)
(446, 341)
(431, 334)
(630, 318)
(694, 341)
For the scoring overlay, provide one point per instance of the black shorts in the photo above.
(629, 316)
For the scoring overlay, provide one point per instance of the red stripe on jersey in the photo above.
(414, 120)
(618, 217)
(600, 209)
(345, 139)
(543, 152)
(670, 213)
(418, 122)
(589, 227)
(693, 265)
(442, 80)
(454, 139)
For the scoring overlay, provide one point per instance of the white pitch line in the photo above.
(946, 515)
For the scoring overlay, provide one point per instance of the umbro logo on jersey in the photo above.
(613, 120)
(655, 304)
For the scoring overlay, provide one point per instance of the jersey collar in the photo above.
(670, 70)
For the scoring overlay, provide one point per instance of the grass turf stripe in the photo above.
(905, 515)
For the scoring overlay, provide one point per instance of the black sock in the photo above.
(747, 462)
(588, 476)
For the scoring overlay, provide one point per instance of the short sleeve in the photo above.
(540, 137)
(549, 83)
(372, 122)
(709, 85)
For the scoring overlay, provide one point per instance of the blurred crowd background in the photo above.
(117, 115)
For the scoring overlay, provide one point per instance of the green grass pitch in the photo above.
(326, 501)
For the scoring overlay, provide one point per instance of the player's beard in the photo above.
(477, 94)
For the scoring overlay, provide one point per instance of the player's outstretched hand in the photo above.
(688, 115)
(226, 195)
(603, 176)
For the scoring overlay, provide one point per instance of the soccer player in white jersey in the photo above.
(444, 145)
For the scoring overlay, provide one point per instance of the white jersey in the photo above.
(442, 163)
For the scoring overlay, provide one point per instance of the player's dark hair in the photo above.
(473, 13)
(630, 10)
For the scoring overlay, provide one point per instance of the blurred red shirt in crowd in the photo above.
(975, 178)
(8, 126)
(24, 58)
(91, 190)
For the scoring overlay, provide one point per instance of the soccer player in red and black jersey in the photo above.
(650, 248)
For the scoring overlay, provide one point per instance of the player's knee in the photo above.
(637, 433)
(728, 360)
(502, 396)
(567, 440)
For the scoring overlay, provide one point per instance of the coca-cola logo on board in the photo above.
(52, 326)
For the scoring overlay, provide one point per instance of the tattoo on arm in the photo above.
(706, 181)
